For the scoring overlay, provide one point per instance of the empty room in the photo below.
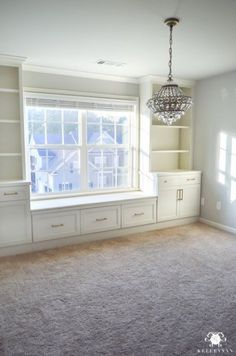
(117, 177)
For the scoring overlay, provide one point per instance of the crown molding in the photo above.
(163, 80)
(10, 60)
(76, 73)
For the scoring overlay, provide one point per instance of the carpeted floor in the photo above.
(158, 293)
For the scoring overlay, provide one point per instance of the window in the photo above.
(80, 144)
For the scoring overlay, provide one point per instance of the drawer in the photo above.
(100, 219)
(176, 180)
(168, 181)
(55, 225)
(140, 213)
(191, 179)
(14, 193)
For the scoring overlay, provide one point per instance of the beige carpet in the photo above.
(157, 293)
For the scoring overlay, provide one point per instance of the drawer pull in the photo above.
(12, 193)
(165, 181)
(188, 179)
(57, 225)
(138, 214)
(101, 219)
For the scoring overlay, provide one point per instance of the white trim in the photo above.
(89, 97)
(77, 73)
(22, 122)
(218, 226)
(79, 93)
(61, 242)
(163, 80)
(9, 60)
(133, 147)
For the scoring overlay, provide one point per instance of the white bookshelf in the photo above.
(163, 148)
(10, 123)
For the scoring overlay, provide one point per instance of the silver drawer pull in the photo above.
(191, 179)
(138, 214)
(102, 219)
(12, 193)
(57, 225)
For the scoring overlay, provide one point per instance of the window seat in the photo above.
(87, 201)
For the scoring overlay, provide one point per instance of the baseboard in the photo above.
(49, 244)
(218, 226)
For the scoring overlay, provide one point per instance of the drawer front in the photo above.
(100, 219)
(55, 225)
(171, 181)
(191, 179)
(141, 213)
(14, 193)
(168, 181)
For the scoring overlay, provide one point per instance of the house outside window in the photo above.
(80, 144)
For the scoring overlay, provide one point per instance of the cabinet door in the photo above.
(190, 201)
(167, 204)
(15, 226)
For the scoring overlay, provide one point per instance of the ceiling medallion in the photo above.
(169, 103)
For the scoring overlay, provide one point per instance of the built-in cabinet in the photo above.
(178, 196)
(169, 189)
(15, 216)
(57, 222)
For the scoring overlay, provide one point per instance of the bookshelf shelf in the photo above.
(10, 123)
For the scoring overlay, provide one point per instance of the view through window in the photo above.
(79, 146)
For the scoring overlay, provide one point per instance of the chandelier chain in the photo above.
(170, 53)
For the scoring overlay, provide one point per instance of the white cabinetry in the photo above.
(100, 219)
(178, 196)
(11, 125)
(15, 219)
(54, 225)
(91, 217)
(139, 213)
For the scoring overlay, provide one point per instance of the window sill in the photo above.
(88, 200)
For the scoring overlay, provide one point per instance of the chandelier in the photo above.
(169, 103)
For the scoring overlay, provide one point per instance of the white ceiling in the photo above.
(74, 34)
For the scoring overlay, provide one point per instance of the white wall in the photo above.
(62, 82)
(215, 113)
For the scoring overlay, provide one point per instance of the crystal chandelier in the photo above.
(169, 103)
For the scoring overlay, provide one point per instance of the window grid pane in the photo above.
(56, 150)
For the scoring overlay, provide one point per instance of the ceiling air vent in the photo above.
(110, 63)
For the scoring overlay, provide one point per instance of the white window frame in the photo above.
(133, 142)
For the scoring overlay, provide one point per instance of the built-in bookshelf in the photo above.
(10, 123)
(171, 145)
(163, 148)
